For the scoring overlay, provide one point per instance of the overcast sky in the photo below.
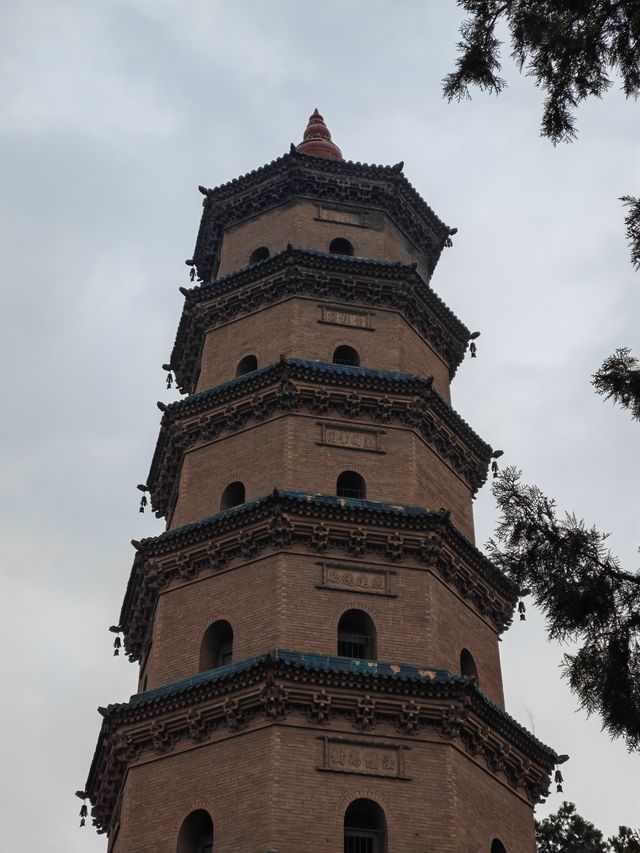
(111, 114)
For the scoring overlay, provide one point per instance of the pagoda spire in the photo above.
(317, 139)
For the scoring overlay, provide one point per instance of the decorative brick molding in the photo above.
(298, 386)
(267, 689)
(293, 175)
(303, 272)
(316, 523)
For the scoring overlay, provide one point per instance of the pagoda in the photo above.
(316, 632)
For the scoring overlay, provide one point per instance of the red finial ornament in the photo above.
(317, 139)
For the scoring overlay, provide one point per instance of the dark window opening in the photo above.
(233, 495)
(196, 833)
(340, 246)
(346, 355)
(498, 847)
(259, 254)
(216, 648)
(356, 636)
(468, 666)
(351, 485)
(246, 365)
(365, 828)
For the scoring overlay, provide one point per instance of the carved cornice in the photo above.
(301, 272)
(319, 524)
(297, 175)
(270, 687)
(294, 386)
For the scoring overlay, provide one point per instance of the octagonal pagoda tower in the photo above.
(316, 632)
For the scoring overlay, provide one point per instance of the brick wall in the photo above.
(286, 601)
(300, 224)
(295, 328)
(264, 791)
(286, 453)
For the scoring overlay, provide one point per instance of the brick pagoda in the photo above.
(316, 632)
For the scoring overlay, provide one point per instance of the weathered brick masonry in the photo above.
(316, 632)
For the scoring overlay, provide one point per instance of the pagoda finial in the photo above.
(317, 139)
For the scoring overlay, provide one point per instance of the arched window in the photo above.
(216, 648)
(233, 495)
(246, 365)
(498, 847)
(365, 828)
(356, 635)
(468, 666)
(346, 355)
(196, 833)
(340, 246)
(259, 254)
(351, 485)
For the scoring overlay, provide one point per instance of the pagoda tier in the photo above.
(371, 191)
(368, 724)
(358, 409)
(350, 288)
(389, 560)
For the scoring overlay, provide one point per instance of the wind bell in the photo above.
(473, 349)
(494, 465)
(143, 499)
(192, 273)
(558, 780)
(83, 808)
(169, 380)
(522, 611)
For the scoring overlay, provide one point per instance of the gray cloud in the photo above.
(112, 114)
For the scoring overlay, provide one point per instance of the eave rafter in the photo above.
(328, 390)
(301, 272)
(296, 175)
(321, 525)
(275, 686)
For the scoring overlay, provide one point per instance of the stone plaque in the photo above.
(339, 316)
(337, 435)
(366, 759)
(356, 579)
(346, 217)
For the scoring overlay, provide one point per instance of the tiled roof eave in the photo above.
(376, 677)
(338, 182)
(413, 297)
(304, 506)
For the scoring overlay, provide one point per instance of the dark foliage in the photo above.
(570, 47)
(619, 379)
(632, 221)
(585, 595)
(626, 841)
(567, 832)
